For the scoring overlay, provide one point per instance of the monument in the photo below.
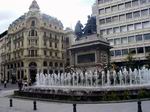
(90, 50)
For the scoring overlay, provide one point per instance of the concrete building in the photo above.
(35, 42)
(126, 25)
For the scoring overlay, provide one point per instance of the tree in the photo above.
(130, 61)
(148, 58)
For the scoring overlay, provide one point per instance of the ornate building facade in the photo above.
(35, 42)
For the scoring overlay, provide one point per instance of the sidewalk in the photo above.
(8, 87)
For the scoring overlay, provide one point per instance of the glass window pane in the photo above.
(132, 50)
(138, 38)
(101, 11)
(121, 6)
(122, 17)
(136, 14)
(147, 36)
(128, 15)
(124, 51)
(116, 30)
(131, 39)
(103, 32)
(114, 8)
(108, 20)
(130, 27)
(108, 9)
(146, 24)
(118, 53)
(115, 18)
(117, 41)
(140, 50)
(142, 1)
(147, 49)
(128, 4)
(144, 12)
(135, 2)
(124, 40)
(138, 26)
(109, 31)
(111, 42)
(123, 28)
(102, 21)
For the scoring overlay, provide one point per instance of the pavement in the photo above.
(26, 105)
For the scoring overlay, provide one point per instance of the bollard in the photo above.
(34, 105)
(11, 103)
(139, 106)
(74, 108)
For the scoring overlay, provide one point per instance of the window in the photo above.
(33, 23)
(115, 18)
(138, 26)
(138, 38)
(111, 42)
(44, 34)
(131, 39)
(146, 24)
(124, 40)
(61, 65)
(136, 14)
(122, 17)
(50, 53)
(124, 51)
(128, 15)
(50, 44)
(56, 64)
(32, 32)
(45, 42)
(147, 49)
(55, 45)
(56, 54)
(135, 3)
(142, 1)
(123, 28)
(108, 20)
(118, 53)
(132, 50)
(117, 41)
(102, 21)
(44, 63)
(121, 6)
(130, 27)
(116, 30)
(147, 36)
(144, 12)
(109, 31)
(100, 1)
(103, 32)
(127, 4)
(108, 9)
(140, 50)
(101, 11)
(45, 53)
(50, 64)
(114, 8)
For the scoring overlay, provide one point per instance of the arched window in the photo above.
(32, 23)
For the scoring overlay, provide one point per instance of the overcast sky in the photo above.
(68, 11)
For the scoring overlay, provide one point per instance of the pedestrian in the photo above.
(20, 85)
(5, 84)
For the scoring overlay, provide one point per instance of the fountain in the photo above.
(89, 86)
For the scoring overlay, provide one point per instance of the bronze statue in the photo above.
(89, 29)
(78, 30)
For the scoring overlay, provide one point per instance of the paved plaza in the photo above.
(22, 105)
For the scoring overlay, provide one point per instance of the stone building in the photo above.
(126, 25)
(35, 42)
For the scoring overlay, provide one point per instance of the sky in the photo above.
(68, 11)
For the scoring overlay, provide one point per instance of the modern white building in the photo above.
(126, 25)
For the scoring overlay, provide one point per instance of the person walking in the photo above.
(5, 84)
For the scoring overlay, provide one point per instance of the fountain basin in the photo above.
(86, 94)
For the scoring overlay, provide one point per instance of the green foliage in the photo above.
(126, 95)
(112, 97)
(130, 61)
(142, 94)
